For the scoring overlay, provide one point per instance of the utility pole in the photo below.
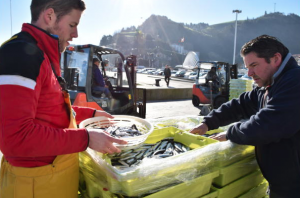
(234, 45)
(274, 7)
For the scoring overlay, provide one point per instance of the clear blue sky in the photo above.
(104, 17)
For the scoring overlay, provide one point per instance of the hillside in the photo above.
(153, 39)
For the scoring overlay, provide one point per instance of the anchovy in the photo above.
(156, 146)
(162, 149)
(164, 155)
(163, 145)
(140, 155)
(178, 147)
(131, 161)
(136, 163)
(126, 153)
(134, 127)
(123, 163)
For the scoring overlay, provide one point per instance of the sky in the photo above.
(105, 17)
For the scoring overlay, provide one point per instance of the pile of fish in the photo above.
(117, 131)
(162, 149)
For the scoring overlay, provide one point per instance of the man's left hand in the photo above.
(220, 136)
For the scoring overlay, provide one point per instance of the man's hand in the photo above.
(101, 141)
(220, 136)
(200, 129)
(103, 113)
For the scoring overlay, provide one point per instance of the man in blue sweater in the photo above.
(98, 80)
(273, 113)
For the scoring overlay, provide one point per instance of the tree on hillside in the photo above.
(106, 40)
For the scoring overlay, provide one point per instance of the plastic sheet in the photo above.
(235, 171)
(184, 123)
(151, 175)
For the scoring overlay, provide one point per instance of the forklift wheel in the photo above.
(195, 101)
(219, 101)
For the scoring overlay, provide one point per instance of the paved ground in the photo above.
(162, 109)
(169, 108)
(145, 80)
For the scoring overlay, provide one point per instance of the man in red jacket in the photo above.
(39, 146)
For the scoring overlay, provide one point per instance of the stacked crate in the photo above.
(190, 174)
(239, 86)
(193, 166)
(238, 178)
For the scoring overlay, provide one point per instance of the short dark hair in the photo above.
(60, 7)
(265, 46)
(96, 60)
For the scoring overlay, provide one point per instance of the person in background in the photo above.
(39, 139)
(167, 73)
(98, 80)
(211, 75)
(272, 111)
(213, 78)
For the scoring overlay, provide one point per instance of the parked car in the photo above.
(158, 72)
(173, 73)
(140, 67)
(188, 74)
(151, 71)
(193, 75)
(140, 70)
(180, 73)
(202, 76)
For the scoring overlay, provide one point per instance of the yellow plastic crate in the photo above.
(136, 182)
(190, 140)
(235, 171)
(240, 186)
(259, 191)
(211, 194)
(142, 185)
(234, 154)
(95, 190)
(192, 189)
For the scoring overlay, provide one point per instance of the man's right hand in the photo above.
(199, 129)
(101, 141)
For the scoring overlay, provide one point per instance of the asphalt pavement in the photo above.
(170, 108)
(146, 80)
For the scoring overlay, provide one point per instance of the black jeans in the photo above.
(167, 79)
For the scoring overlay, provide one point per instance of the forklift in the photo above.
(119, 75)
(212, 93)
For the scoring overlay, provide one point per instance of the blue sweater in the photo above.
(273, 128)
(97, 77)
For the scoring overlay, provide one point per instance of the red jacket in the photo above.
(33, 115)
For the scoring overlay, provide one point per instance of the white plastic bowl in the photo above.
(145, 127)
